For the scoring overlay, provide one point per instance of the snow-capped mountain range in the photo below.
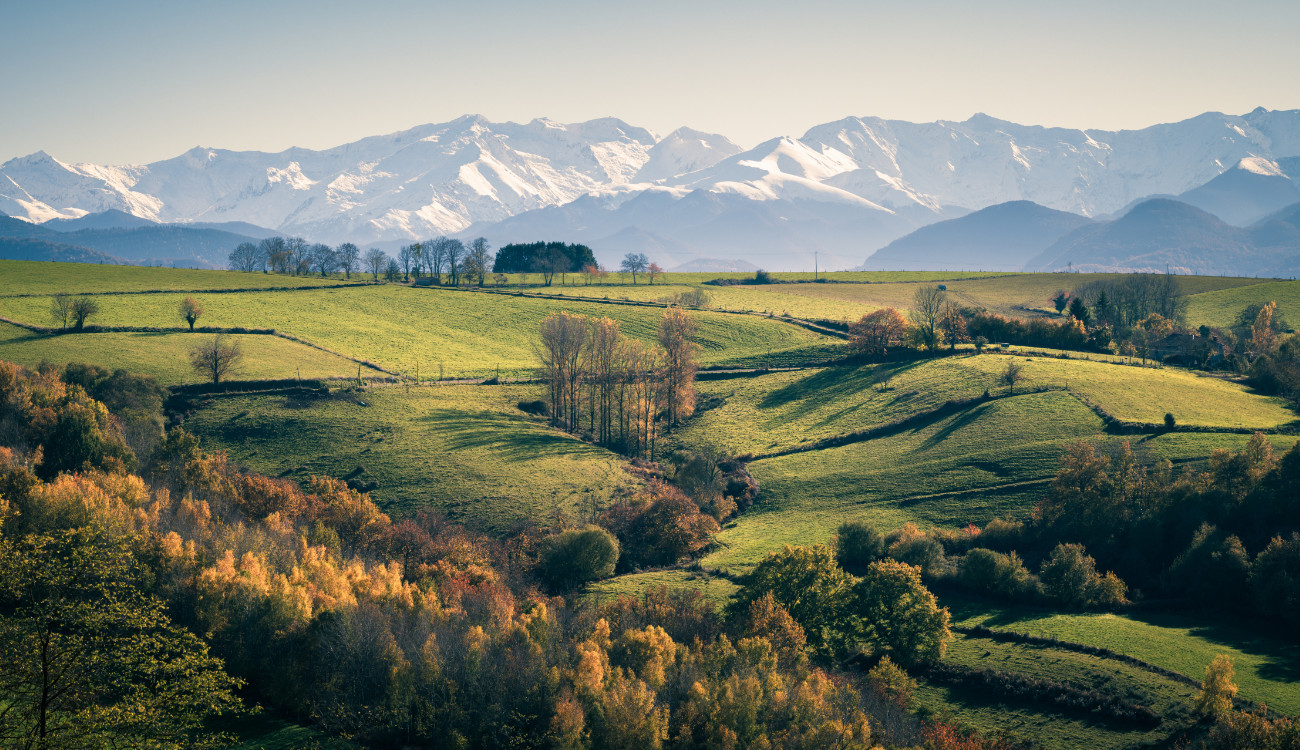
(842, 189)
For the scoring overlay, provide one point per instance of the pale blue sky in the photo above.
(140, 80)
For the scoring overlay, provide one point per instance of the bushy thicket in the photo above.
(1108, 527)
(1063, 696)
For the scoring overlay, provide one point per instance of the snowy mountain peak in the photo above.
(1261, 166)
(444, 178)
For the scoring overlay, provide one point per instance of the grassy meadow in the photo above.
(1268, 665)
(468, 334)
(1052, 729)
(165, 356)
(1014, 295)
(782, 410)
(37, 277)
(464, 449)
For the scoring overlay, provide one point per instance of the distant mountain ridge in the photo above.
(999, 238)
(117, 237)
(840, 191)
(1162, 235)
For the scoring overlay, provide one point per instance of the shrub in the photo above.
(996, 574)
(538, 407)
(1070, 577)
(912, 546)
(857, 545)
(576, 556)
(659, 526)
(1170, 423)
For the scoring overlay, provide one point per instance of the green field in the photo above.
(962, 469)
(1048, 727)
(992, 460)
(716, 589)
(782, 410)
(1212, 299)
(1268, 666)
(467, 450)
(469, 334)
(36, 277)
(1220, 308)
(165, 356)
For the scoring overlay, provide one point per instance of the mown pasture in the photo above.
(166, 356)
(1222, 306)
(445, 333)
(1213, 300)
(994, 459)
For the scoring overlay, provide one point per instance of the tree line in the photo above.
(1128, 315)
(614, 388)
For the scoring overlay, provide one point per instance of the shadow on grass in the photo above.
(956, 423)
(1280, 657)
(508, 438)
(831, 384)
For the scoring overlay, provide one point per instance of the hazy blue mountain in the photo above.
(20, 248)
(17, 228)
(110, 219)
(1160, 235)
(676, 229)
(166, 244)
(170, 244)
(999, 238)
(1251, 190)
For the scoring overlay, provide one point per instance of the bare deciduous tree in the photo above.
(477, 261)
(61, 309)
(1014, 373)
(324, 259)
(214, 359)
(927, 310)
(347, 255)
(406, 256)
(274, 254)
(634, 263)
(375, 261)
(245, 258)
(453, 252)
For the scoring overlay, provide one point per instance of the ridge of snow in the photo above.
(1261, 166)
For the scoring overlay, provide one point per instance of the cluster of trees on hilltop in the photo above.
(546, 258)
(1135, 315)
(935, 320)
(164, 586)
(442, 260)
